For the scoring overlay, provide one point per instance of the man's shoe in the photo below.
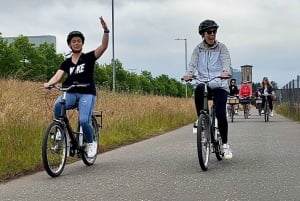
(227, 151)
(91, 149)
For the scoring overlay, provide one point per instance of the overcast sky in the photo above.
(265, 34)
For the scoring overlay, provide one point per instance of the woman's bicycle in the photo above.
(246, 106)
(266, 107)
(61, 141)
(231, 102)
(209, 139)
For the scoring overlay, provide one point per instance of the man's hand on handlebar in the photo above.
(186, 77)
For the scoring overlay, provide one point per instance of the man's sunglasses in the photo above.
(211, 31)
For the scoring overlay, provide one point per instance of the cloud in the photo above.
(261, 33)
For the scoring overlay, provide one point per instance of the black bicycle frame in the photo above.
(65, 121)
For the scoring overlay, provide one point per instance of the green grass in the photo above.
(290, 111)
(26, 111)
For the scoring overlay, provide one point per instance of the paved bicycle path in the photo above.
(265, 166)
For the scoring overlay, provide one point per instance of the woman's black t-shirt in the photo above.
(82, 73)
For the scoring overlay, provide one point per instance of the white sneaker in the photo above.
(196, 124)
(91, 149)
(271, 114)
(227, 151)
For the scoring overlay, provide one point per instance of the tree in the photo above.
(9, 59)
(49, 59)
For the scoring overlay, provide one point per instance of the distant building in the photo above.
(36, 40)
(247, 73)
(237, 74)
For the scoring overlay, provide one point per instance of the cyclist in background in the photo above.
(210, 59)
(80, 68)
(267, 88)
(245, 90)
(234, 91)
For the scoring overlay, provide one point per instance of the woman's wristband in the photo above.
(106, 30)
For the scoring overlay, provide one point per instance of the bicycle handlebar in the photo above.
(194, 77)
(67, 88)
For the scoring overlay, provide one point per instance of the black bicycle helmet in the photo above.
(207, 24)
(73, 34)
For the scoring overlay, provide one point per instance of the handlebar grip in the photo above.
(189, 80)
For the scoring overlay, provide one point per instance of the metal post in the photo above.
(113, 49)
(185, 48)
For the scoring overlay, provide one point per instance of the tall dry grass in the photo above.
(26, 111)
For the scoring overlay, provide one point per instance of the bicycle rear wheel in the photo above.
(86, 160)
(203, 141)
(54, 149)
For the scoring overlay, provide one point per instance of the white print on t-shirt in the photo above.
(79, 69)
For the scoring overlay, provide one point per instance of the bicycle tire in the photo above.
(246, 111)
(266, 112)
(217, 142)
(87, 160)
(203, 141)
(232, 113)
(54, 150)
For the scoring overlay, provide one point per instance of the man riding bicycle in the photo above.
(210, 59)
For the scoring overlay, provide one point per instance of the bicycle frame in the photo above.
(64, 121)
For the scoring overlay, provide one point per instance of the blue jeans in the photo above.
(85, 103)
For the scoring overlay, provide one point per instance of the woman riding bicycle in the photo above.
(245, 93)
(267, 88)
(80, 69)
(233, 92)
(245, 90)
(210, 59)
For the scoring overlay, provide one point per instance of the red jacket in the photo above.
(245, 91)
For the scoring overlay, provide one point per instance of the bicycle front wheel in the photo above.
(232, 112)
(266, 112)
(246, 111)
(203, 141)
(86, 160)
(54, 149)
